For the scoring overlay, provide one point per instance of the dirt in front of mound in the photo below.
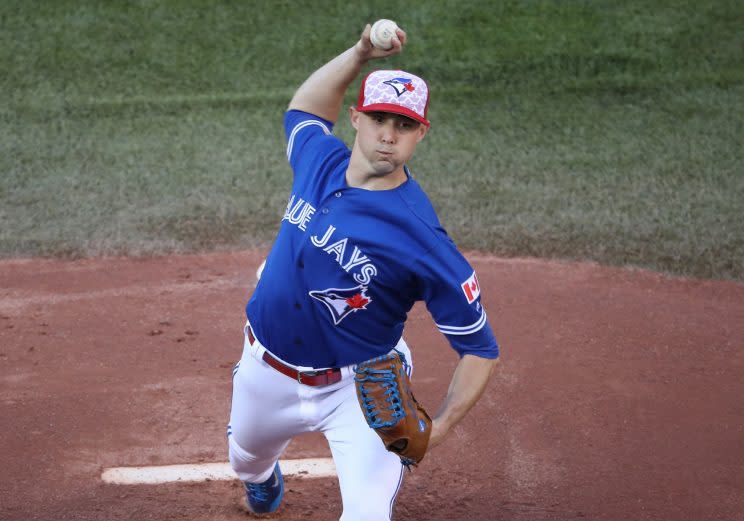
(618, 396)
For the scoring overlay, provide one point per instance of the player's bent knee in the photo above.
(247, 466)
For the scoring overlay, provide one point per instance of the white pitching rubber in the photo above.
(308, 468)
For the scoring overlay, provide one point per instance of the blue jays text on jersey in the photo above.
(348, 264)
(336, 248)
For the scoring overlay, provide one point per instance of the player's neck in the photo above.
(376, 181)
(362, 175)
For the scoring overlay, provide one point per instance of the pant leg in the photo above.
(264, 417)
(369, 475)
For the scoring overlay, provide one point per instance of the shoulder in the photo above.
(435, 246)
(419, 206)
(296, 120)
(309, 137)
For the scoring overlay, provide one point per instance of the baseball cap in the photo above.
(398, 92)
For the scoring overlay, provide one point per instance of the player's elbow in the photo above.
(491, 364)
(480, 365)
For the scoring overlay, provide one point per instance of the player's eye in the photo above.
(406, 125)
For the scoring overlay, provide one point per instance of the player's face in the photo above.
(386, 140)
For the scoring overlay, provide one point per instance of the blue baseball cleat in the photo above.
(265, 498)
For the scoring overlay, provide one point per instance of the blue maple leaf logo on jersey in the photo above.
(401, 85)
(342, 302)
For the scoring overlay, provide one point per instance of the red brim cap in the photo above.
(398, 92)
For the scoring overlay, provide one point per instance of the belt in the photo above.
(312, 378)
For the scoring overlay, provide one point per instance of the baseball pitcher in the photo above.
(359, 244)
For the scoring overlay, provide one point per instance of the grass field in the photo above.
(596, 130)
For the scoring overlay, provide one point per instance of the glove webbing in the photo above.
(386, 378)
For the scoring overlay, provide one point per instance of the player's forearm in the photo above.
(468, 383)
(323, 92)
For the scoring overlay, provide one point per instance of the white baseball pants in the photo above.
(269, 408)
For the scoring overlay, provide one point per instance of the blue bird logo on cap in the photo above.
(401, 85)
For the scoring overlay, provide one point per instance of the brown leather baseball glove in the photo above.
(384, 392)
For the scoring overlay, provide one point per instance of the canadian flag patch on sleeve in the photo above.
(471, 288)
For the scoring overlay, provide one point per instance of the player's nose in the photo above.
(388, 132)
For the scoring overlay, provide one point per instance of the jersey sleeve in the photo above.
(449, 287)
(310, 139)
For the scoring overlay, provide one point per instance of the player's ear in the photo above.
(422, 130)
(354, 117)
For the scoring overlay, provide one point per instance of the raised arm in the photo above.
(467, 385)
(323, 92)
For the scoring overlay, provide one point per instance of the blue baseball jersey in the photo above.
(348, 264)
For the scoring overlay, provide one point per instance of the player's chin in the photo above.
(385, 166)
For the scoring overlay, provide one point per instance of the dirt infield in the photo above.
(619, 396)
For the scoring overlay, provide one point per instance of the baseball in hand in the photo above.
(382, 34)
